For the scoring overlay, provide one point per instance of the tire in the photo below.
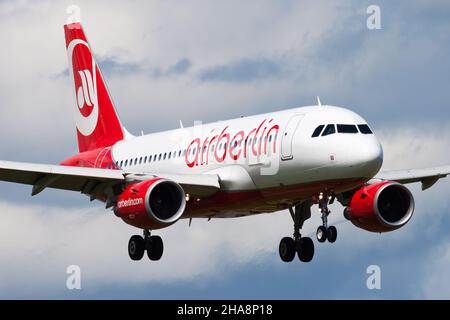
(306, 249)
(287, 249)
(156, 248)
(136, 247)
(321, 234)
(331, 234)
(346, 214)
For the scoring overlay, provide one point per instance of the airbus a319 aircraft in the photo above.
(291, 159)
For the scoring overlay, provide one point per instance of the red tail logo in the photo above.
(95, 116)
(83, 73)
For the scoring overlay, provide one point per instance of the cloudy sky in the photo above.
(166, 61)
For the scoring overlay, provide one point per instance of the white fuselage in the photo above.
(285, 153)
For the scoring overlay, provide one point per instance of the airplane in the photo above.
(291, 159)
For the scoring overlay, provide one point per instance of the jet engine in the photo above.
(151, 204)
(381, 207)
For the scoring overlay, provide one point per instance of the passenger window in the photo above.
(135, 161)
(145, 159)
(165, 155)
(347, 128)
(330, 129)
(126, 163)
(179, 153)
(170, 153)
(364, 129)
(159, 158)
(140, 160)
(317, 131)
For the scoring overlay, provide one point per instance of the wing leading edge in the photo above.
(427, 176)
(95, 182)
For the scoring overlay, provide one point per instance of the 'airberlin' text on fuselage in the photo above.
(218, 146)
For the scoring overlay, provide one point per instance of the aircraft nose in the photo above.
(369, 157)
(374, 154)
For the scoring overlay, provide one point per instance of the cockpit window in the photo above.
(317, 132)
(364, 129)
(347, 128)
(330, 129)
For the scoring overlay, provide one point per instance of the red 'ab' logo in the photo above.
(83, 69)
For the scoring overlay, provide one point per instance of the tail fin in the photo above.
(96, 119)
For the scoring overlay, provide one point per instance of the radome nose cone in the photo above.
(372, 158)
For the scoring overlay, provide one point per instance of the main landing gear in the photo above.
(152, 244)
(303, 246)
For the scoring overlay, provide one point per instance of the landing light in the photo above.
(187, 197)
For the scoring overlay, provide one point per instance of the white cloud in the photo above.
(436, 284)
(415, 146)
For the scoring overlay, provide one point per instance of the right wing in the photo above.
(428, 176)
(97, 183)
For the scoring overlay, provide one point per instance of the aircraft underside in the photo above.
(231, 204)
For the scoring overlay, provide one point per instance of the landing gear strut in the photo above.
(152, 244)
(324, 232)
(303, 246)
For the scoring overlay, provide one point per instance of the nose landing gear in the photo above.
(304, 246)
(324, 232)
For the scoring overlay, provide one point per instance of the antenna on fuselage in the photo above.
(318, 102)
(181, 125)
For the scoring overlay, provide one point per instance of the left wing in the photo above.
(96, 182)
(428, 176)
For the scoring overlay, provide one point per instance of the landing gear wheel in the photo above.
(305, 249)
(321, 234)
(136, 247)
(287, 249)
(331, 234)
(155, 248)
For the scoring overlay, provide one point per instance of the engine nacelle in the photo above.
(151, 204)
(381, 207)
